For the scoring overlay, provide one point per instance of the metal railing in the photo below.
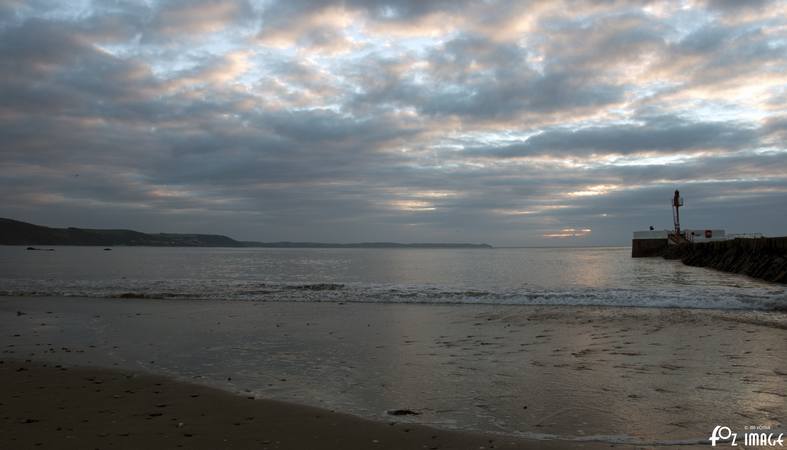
(745, 235)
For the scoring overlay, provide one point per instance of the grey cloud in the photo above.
(719, 54)
(390, 10)
(706, 39)
(601, 40)
(504, 86)
(179, 19)
(775, 129)
(163, 150)
(736, 5)
(333, 129)
(38, 44)
(494, 98)
(664, 134)
(731, 45)
(49, 67)
(404, 9)
(745, 165)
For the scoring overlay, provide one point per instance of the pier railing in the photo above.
(745, 236)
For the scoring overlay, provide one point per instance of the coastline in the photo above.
(636, 376)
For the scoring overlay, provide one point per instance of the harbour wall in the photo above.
(764, 258)
(643, 248)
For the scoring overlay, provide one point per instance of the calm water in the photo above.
(590, 276)
(395, 336)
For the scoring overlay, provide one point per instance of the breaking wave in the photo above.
(763, 299)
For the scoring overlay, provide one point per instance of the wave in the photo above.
(704, 297)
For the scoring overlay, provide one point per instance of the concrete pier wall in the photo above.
(764, 258)
(641, 248)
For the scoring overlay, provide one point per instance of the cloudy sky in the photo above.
(512, 123)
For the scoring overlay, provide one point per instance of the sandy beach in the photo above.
(45, 406)
(524, 377)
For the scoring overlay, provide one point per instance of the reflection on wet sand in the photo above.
(615, 374)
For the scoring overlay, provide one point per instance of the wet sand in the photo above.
(45, 406)
(618, 375)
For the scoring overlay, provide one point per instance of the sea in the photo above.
(605, 276)
(578, 344)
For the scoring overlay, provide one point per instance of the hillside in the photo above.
(14, 232)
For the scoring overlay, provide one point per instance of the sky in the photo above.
(510, 123)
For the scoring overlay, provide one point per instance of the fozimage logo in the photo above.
(757, 435)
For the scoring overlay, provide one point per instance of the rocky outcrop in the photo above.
(764, 258)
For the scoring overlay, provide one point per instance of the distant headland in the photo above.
(14, 232)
